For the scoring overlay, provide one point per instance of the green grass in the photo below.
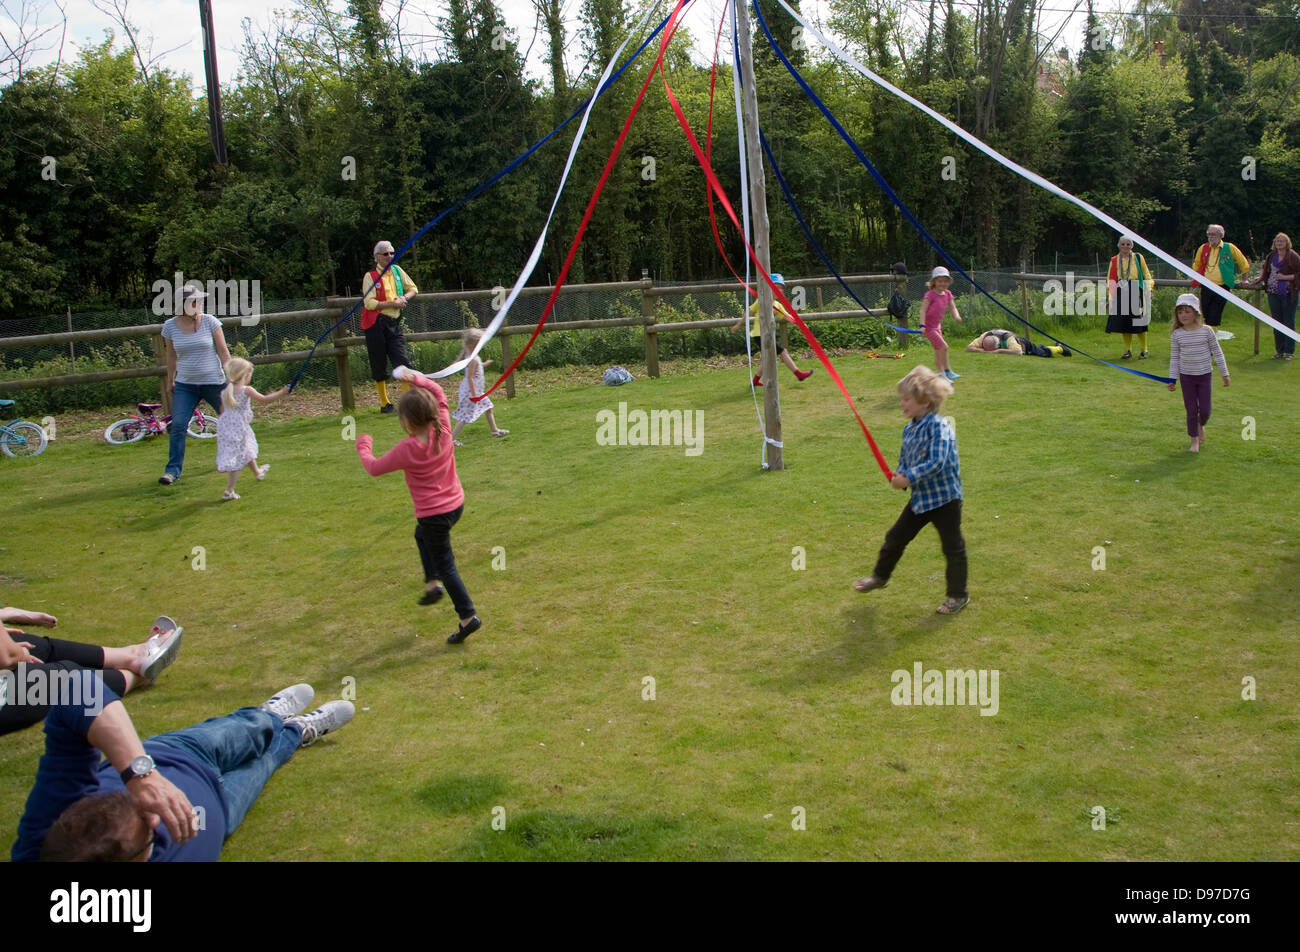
(1120, 688)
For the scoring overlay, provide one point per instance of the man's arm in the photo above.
(114, 734)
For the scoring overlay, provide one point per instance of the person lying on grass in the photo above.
(998, 341)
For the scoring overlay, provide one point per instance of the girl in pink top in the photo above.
(428, 461)
(937, 301)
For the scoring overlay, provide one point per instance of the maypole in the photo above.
(762, 248)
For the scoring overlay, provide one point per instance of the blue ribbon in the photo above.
(794, 207)
(893, 197)
(476, 191)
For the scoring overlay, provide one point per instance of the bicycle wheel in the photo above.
(202, 427)
(126, 431)
(22, 439)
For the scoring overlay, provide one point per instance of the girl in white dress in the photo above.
(467, 409)
(236, 444)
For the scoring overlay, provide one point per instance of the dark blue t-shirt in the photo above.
(71, 769)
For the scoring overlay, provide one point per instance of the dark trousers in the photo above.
(385, 342)
(1196, 400)
(1283, 311)
(947, 519)
(61, 655)
(433, 536)
(1212, 307)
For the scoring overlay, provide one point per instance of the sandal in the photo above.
(500, 432)
(869, 584)
(229, 495)
(952, 606)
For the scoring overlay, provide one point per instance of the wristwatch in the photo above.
(141, 766)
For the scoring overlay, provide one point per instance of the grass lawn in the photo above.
(1119, 687)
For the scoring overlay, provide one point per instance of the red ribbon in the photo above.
(595, 197)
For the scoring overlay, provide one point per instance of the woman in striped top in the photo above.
(1192, 347)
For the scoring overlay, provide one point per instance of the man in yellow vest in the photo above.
(381, 319)
(1223, 264)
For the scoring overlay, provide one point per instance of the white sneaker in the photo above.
(289, 702)
(330, 716)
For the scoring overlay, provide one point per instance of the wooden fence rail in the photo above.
(342, 343)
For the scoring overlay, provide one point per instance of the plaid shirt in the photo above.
(929, 461)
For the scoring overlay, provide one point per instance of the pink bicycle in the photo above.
(136, 428)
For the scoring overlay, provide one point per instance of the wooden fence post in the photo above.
(507, 358)
(341, 368)
(160, 355)
(648, 304)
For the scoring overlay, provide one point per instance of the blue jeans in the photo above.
(185, 400)
(1283, 311)
(243, 749)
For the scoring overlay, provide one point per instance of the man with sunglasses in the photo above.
(385, 292)
(175, 797)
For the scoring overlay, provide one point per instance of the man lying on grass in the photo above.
(173, 798)
(998, 341)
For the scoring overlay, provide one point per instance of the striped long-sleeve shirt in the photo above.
(1191, 351)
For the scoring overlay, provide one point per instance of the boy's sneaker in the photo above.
(951, 376)
(330, 716)
(289, 702)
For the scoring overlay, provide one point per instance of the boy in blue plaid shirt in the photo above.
(928, 464)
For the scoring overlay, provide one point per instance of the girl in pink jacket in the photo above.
(428, 461)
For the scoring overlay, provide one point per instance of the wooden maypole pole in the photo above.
(762, 247)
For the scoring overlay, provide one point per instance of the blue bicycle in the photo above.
(21, 438)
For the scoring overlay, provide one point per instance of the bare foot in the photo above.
(1202, 437)
(1195, 447)
(20, 617)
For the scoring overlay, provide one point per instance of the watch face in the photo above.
(140, 766)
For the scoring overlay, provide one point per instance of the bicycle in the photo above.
(21, 437)
(136, 428)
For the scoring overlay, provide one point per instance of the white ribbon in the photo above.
(531, 265)
(1034, 177)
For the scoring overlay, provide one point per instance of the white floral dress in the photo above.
(236, 444)
(467, 411)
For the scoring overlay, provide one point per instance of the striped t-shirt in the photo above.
(1191, 350)
(197, 361)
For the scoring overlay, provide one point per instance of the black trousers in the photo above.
(433, 537)
(385, 342)
(1212, 307)
(947, 519)
(61, 655)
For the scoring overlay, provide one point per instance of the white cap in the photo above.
(1188, 300)
(939, 272)
(1124, 238)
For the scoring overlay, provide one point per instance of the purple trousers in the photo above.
(1196, 398)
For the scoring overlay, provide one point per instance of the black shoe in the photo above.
(388, 408)
(1127, 355)
(465, 631)
(1066, 352)
(167, 479)
(1144, 355)
(431, 596)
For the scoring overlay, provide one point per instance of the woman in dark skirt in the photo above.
(1129, 286)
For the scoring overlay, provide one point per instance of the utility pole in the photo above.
(216, 126)
(758, 208)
